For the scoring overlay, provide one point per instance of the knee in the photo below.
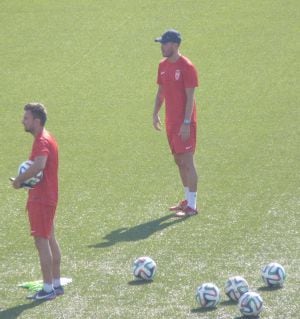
(179, 162)
(40, 243)
(183, 165)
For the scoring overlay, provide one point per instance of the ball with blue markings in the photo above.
(273, 275)
(235, 287)
(144, 268)
(250, 304)
(208, 295)
(31, 182)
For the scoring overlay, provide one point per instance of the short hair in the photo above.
(38, 111)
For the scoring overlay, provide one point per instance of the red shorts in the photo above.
(41, 218)
(177, 145)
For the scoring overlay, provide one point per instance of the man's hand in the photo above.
(184, 132)
(15, 183)
(156, 122)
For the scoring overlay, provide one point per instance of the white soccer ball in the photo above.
(235, 287)
(31, 182)
(273, 275)
(208, 295)
(250, 304)
(144, 268)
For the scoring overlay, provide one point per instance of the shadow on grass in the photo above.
(139, 232)
(228, 303)
(202, 310)
(16, 311)
(139, 282)
(222, 303)
(264, 288)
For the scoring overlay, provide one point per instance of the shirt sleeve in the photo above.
(190, 77)
(40, 148)
(158, 81)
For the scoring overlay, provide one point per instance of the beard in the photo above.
(27, 129)
(168, 53)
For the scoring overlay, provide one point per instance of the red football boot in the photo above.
(179, 207)
(187, 212)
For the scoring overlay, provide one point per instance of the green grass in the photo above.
(93, 64)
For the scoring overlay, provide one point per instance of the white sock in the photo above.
(47, 287)
(192, 200)
(186, 191)
(56, 282)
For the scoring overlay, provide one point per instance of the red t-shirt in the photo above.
(46, 191)
(174, 79)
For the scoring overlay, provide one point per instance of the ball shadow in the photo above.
(139, 282)
(228, 302)
(267, 288)
(247, 317)
(202, 310)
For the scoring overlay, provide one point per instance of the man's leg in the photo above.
(56, 255)
(184, 179)
(185, 162)
(182, 170)
(188, 173)
(41, 222)
(187, 170)
(45, 255)
(43, 247)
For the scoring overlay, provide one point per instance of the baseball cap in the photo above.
(169, 36)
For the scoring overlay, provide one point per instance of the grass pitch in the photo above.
(93, 64)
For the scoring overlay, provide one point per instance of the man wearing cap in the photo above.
(177, 79)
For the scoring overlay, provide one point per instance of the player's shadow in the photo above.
(138, 232)
(16, 311)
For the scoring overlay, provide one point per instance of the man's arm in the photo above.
(184, 131)
(157, 105)
(37, 166)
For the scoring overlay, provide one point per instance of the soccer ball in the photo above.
(250, 304)
(144, 268)
(31, 182)
(273, 275)
(235, 287)
(208, 295)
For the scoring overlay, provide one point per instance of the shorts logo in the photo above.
(177, 75)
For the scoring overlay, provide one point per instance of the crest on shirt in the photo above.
(177, 75)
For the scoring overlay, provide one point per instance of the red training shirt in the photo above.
(46, 191)
(174, 79)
